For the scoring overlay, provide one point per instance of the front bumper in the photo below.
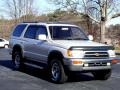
(88, 64)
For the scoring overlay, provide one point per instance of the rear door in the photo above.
(1, 43)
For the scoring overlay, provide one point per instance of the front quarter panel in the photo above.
(59, 49)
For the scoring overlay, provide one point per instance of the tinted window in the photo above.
(18, 30)
(31, 32)
(1, 40)
(41, 30)
(67, 33)
(77, 33)
(34, 30)
(57, 33)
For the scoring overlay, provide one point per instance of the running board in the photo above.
(33, 65)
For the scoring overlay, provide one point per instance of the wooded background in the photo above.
(91, 15)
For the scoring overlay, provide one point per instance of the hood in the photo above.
(75, 43)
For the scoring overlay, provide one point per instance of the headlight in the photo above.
(111, 53)
(75, 53)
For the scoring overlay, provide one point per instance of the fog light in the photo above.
(86, 65)
(108, 64)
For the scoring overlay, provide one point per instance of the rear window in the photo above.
(19, 29)
(1, 40)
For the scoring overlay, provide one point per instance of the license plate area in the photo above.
(93, 64)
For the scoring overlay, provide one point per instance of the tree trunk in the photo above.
(103, 29)
(103, 21)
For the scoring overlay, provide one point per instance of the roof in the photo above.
(51, 23)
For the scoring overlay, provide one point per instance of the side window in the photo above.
(31, 32)
(41, 30)
(18, 30)
(1, 40)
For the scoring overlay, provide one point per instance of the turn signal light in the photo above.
(77, 62)
(69, 53)
(115, 61)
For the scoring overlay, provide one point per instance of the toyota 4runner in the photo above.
(61, 49)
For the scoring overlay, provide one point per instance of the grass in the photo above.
(117, 48)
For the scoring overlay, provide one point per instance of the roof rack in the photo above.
(56, 22)
(59, 22)
(31, 22)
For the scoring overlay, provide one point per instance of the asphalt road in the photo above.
(35, 79)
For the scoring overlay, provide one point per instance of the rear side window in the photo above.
(18, 30)
(1, 40)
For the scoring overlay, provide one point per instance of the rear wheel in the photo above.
(57, 72)
(6, 46)
(102, 75)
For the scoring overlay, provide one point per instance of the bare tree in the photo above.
(11, 9)
(103, 9)
(19, 8)
(97, 10)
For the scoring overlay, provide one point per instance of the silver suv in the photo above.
(62, 49)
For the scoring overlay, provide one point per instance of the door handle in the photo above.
(21, 42)
(35, 43)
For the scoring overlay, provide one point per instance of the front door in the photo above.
(35, 49)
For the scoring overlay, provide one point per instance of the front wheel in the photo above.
(102, 75)
(57, 72)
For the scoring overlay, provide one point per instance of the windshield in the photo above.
(67, 33)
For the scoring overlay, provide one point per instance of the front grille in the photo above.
(93, 55)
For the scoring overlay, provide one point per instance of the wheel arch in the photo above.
(55, 54)
(17, 47)
(6, 44)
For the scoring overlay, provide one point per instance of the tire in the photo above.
(102, 75)
(6, 46)
(57, 72)
(17, 60)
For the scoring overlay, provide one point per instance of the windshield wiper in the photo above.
(78, 38)
(69, 38)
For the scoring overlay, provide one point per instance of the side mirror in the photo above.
(42, 37)
(90, 37)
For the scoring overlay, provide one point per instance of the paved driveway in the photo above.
(34, 79)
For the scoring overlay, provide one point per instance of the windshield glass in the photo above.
(67, 33)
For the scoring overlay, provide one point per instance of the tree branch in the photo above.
(116, 15)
